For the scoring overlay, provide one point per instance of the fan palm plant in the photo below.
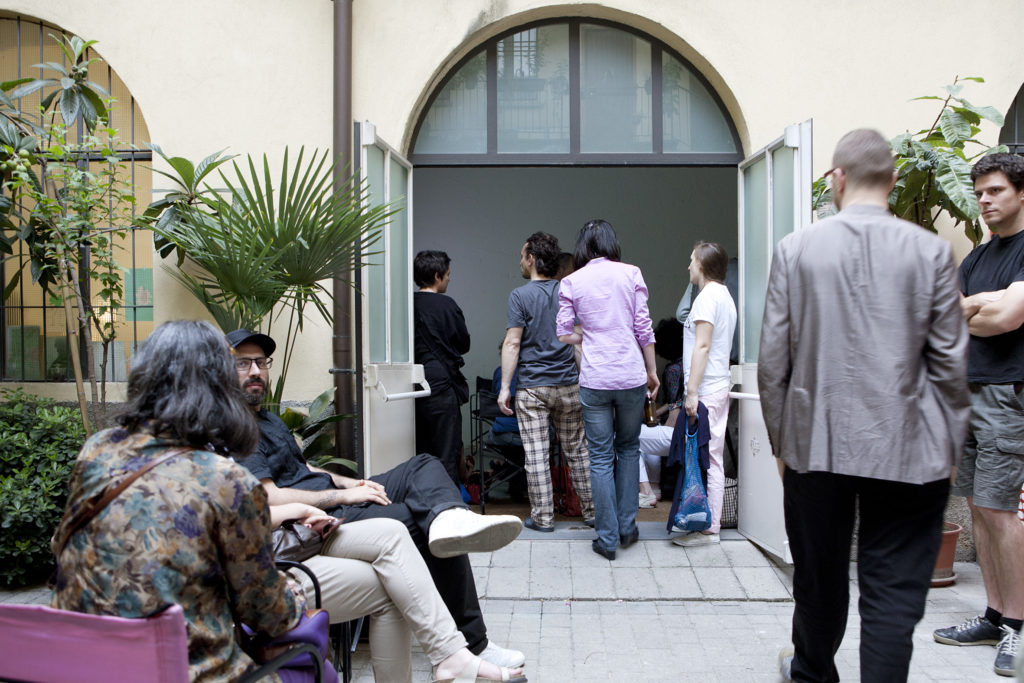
(256, 253)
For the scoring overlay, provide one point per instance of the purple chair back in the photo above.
(44, 644)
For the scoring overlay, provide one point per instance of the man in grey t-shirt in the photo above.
(548, 387)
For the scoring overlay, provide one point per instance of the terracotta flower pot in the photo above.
(943, 574)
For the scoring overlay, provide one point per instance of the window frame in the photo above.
(575, 157)
(1012, 132)
(365, 138)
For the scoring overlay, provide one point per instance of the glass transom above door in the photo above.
(574, 91)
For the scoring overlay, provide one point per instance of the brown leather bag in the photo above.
(296, 542)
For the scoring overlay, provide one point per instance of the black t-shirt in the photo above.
(278, 457)
(441, 338)
(993, 266)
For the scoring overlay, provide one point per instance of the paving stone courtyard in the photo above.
(662, 613)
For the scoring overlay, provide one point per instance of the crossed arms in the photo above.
(992, 313)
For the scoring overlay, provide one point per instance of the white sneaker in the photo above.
(457, 531)
(648, 500)
(503, 657)
(695, 538)
(786, 663)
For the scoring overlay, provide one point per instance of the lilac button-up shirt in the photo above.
(610, 300)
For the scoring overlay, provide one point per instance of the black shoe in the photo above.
(974, 631)
(589, 522)
(606, 554)
(530, 524)
(1006, 652)
(626, 541)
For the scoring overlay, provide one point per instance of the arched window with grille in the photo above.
(34, 344)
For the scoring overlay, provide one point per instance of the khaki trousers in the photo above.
(372, 567)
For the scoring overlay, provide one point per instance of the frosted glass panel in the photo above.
(692, 122)
(615, 91)
(533, 91)
(457, 121)
(398, 261)
(374, 283)
(783, 193)
(754, 259)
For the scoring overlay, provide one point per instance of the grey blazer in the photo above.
(862, 367)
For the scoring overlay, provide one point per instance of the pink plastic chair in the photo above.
(47, 645)
(44, 644)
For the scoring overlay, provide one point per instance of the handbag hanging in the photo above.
(694, 511)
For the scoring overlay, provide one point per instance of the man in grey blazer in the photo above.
(862, 377)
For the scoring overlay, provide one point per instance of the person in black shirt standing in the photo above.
(992, 469)
(441, 338)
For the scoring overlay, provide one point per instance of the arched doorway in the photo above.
(553, 123)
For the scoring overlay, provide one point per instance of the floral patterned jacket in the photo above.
(194, 531)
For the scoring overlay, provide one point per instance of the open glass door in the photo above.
(391, 381)
(775, 199)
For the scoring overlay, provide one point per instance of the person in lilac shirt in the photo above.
(617, 371)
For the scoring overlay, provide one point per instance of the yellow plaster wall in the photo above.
(254, 75)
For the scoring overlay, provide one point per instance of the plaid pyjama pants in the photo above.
(536, 408)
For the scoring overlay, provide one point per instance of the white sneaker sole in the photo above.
(487, 537)
(696, 539)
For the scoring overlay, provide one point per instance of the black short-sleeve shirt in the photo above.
(278, 457)
(993, 266)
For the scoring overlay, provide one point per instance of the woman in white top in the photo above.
(707, 341)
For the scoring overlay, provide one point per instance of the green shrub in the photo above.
(38, 444)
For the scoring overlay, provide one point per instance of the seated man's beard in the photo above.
(251, 397)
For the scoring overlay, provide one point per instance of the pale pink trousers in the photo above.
(717, 404)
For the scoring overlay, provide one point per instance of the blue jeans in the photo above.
(612, 418)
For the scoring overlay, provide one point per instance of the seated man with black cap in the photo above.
(419, 493)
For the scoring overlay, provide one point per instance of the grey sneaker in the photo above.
(1006, 651)
(974, 631)
(1018, 663)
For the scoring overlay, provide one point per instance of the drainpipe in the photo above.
(345, 353)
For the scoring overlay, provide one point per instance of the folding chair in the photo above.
(483, 409)
(344, 635)
(60, 646)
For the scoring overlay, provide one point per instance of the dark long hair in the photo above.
(183, 380)
(597, 238)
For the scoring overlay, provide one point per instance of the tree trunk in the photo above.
(71, 321)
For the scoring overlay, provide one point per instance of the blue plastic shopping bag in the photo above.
(694, 512)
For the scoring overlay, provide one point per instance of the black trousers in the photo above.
(898, 540)
(439, 429)
(419, 489)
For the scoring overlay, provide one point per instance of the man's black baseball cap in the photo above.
(239, 337)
